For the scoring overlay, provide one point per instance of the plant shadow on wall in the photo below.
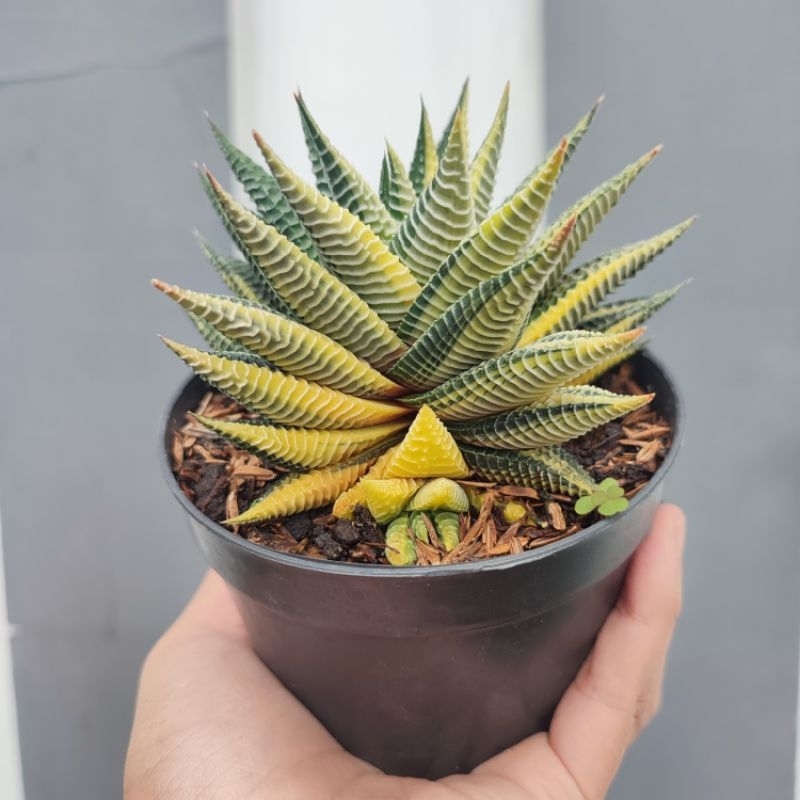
(420, 420)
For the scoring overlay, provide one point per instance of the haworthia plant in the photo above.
(416, 319)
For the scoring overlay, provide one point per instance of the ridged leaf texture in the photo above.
(312, 293)
(239, 275)
(483, 170)
(350, 249)
(264, 191)
(495, 245)
(461, 109)
(282, 398)
(522, 376)
(396, 191)
(302, 447)
(442, 216)
(627, 314)
(424, 161)
(339, 180)
(291, 346)
(563, 415)
(581, 291)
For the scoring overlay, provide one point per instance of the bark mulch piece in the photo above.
(221, 480)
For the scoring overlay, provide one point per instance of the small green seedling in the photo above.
(609, 499)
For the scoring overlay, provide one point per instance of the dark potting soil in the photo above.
(222, 479)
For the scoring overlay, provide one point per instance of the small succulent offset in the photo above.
(389, 338)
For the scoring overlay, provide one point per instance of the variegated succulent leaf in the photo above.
(578, 292)
(462, 109)
(495, 245)
(339, 180)
(609, 362)
(396, 191)
(264, 191)
(443, 214)
(311, 293)
(627, 314)
(483, 170)
(350, 249)
(424, 162)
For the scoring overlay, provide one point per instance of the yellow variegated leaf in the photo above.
(550, 469)
(442, 215)
(563, 415)
(396, 191)
(580, 291)
(312, 293)
(448, 526)
(290, 346)
(302, 447)
(350, 249)
(282, 398)
(427, 451)
(461, 108)
(611, 361)
(627, 314)
(296, 493)
(387, 497)
(347, 501)
(439, 494)
(483, 170)
(400, 549)
(493, 247)
(239, 275)
(339, 180)
(522, 376)
(424, 161)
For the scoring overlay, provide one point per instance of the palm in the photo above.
(212, 721)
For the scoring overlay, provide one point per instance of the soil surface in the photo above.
(221, 479)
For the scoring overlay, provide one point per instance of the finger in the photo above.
(619, 686)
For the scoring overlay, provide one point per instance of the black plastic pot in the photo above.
(428, 671)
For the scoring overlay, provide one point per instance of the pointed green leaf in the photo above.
(264, 191)
(424, 161)
(628, 314)
(462, 107)
(493, 247)
(350, 248)
(563, 415)
(312, 293)
(213, 338)
(605, 364)
(282, 398)
(590, 210)
(306, 491)
(302, 447)
(484, 323)
(339, 180)
(251, 284)
(396, 191)
(520, 377)
(442, 215)
(580, 291)
(290, 346)
(549, 469)
(483, 171)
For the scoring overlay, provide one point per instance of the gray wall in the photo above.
(719, 83)
(101, 106)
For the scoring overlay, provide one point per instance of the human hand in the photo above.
(212, 722)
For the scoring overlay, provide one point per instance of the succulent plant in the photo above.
(412, 332)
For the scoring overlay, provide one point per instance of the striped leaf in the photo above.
(448, 526)
(495, 245)
(424, 161)
(580, 291)
(442, 215)
(264, 191)
(548, 469)
(483, 170)
(213, 338)
(627, 314)
(283, 399)
(484, 323)
(303, 492)
(590, 210)
(350, 248)
(611, 361)
(396, 191)
(563, 415)
(400, 549)
(312, 293)
(339, 180)
(301, 447)
(251, 282)
(521, 377)
(290, 346)
(239, 275)
(461, 108)
(573, 139)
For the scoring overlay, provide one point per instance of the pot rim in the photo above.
(389, 571)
